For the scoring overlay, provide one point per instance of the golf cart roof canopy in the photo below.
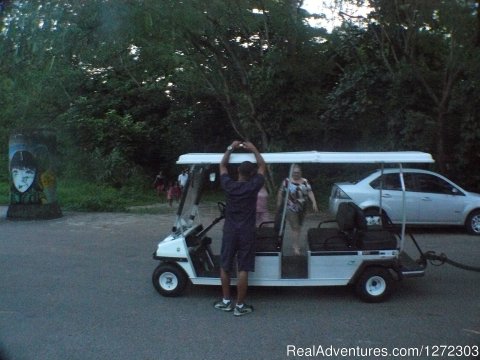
(312, 157)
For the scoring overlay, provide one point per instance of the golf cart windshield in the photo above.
(187, 213)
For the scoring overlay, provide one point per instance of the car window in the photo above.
(392, 182)
(433, 184)
(387, 182)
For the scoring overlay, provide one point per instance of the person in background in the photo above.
(239, 226)
(159, 183)
(262, 206)
(298, 190)
(182, 178)
(173, 192)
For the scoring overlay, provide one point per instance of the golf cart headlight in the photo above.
(340, 194)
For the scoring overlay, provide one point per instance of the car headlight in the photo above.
(340, 194)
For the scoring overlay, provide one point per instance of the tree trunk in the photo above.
(440, 156)
(477, 40)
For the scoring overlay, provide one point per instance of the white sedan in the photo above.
(430, 198)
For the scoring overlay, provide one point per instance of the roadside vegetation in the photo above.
(128, 86)
(140, 199)
(137, 197)
(85, 196)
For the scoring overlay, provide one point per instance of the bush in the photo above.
(87, 196)
(78, 195)
(4, 192)
(82, 196)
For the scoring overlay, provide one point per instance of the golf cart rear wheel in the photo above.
(473, 223)
(375, 284)
(169, 280)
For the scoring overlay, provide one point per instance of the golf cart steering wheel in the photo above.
(221, 206)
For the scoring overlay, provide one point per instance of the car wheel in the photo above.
(169, 280)
(373, 217)
(473, 223)
(375, 285)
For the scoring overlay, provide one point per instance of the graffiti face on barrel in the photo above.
(23, 171)
(31, 174)
(23, 178)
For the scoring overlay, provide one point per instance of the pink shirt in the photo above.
(262, 200)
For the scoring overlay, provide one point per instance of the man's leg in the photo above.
(246, 263)
(226, 304)
(242, 286)
(225, 278)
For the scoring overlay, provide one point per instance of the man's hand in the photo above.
(236, 144)
(223, 163)
(249, 146)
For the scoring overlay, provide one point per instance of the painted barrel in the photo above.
(33, 185)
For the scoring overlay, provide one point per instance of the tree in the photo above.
(129, 85)
(432, 43)
(243, 54)
(401, 78)
(86, 67)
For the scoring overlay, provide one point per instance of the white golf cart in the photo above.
(352, 250)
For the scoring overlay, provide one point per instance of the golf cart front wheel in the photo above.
(169, 280)
(375, 285)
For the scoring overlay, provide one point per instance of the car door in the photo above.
(439, 201)
(392, 196)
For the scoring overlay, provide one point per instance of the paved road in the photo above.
(79, 288)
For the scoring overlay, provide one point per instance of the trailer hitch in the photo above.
(440, 259)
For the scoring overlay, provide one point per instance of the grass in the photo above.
(85, 196)
(4, 193)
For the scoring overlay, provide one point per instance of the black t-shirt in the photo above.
(241, 205)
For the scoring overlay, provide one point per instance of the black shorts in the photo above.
(238, 243)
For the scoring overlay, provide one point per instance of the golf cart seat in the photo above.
(344, 236)
(351, 233)
(268, 238)
(380, 234)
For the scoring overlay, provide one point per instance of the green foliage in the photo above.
(137, 197)
(91, 196)
(110, 147)
(255, 64)
(130, 85)
(4, 192)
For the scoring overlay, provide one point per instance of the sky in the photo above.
(326, 7)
